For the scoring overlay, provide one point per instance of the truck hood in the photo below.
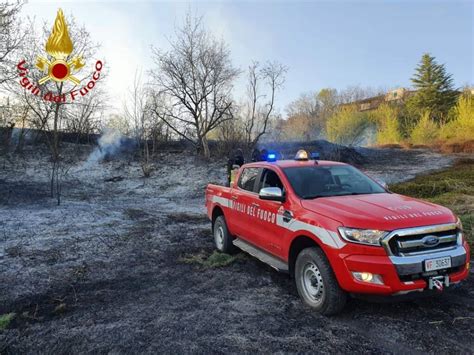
(385, 211)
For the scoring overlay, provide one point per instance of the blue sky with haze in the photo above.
(325, 44)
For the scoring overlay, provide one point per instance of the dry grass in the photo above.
(390, 146)
(214, 260)
(453, 188)
(446, 147)
(457, 147)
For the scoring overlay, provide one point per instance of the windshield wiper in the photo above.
(358, 193)
(310, 197)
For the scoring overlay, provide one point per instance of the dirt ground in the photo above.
(103, 272)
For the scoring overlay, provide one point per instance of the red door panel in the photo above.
(265, 221)
(243, 204)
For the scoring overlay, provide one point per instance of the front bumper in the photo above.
(400, 274)
(413, 265)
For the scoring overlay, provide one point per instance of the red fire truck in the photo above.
(336, 231)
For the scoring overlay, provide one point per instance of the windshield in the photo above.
(324, 181)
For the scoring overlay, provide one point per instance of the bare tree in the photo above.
(263, 84)
(305, 105)
(11, 38)
(355, 93)
(303, 117)
(308, 114)
(158, 130)
(11, 35)
(137, 111)
(232, 131)
(85, 117)
(196, 78)
(49, 115)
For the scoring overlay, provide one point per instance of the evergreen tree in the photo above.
(435, 89)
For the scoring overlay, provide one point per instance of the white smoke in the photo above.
(109, 145)
(20, 134)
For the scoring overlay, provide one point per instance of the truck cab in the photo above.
(337, 231)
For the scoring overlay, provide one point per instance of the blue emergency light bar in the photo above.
(271, 157)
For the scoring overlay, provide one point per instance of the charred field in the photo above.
(127, 265)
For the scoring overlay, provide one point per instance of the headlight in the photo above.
(461, 238)
(363, 236)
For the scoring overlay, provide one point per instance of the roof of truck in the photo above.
(294, 163)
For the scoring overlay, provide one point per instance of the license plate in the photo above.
(437, 264)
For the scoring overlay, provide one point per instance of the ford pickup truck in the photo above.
(337, 231)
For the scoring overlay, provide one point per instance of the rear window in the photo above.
(325, 181)
(247, 179)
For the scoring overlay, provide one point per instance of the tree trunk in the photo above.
(205, 147)
(55, 150)
(53, 175)
(146, 154)
(58, 184)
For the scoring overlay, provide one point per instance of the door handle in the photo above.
(235, 197)
(255, 204)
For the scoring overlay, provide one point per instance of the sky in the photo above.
(323, 43)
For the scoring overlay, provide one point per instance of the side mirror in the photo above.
(271, 194)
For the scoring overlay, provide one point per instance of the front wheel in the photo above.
(316, 283)
(222, 237)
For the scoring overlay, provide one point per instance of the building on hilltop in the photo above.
(396, 96)
(372, 103)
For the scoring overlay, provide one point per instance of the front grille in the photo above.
(406, 243)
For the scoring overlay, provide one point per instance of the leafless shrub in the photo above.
(138, 111)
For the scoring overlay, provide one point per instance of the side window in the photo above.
(270, 179)
(247, 179)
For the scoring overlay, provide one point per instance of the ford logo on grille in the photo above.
(430, 241)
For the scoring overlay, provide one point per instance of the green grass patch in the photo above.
(214, 260)
(452, 187)
(5, 320)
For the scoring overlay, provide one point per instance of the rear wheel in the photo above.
(222, 237)
(316, 283)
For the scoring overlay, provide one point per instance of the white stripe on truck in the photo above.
(224, 202)
(329, 238)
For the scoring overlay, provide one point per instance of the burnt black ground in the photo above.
(123, 289)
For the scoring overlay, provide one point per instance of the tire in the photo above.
(222, 238)
(316, 283)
